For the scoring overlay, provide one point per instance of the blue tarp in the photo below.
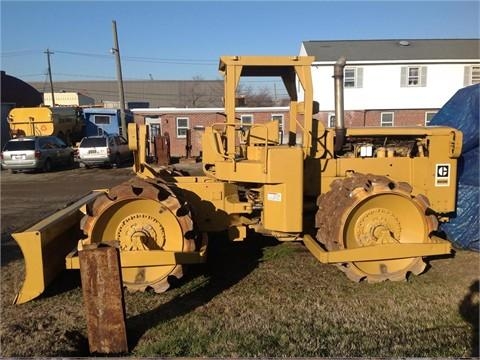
(462, 112)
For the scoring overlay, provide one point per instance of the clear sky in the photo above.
(179, 40)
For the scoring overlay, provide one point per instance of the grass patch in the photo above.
(260, 298)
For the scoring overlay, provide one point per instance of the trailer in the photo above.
(65, 122)
(105, 121)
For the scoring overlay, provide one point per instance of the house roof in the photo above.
(394, 50)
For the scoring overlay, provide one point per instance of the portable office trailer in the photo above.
(68, 99)
(101, 121)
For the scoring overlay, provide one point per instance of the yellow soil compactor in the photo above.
(366, 199)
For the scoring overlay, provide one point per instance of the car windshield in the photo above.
(20, 145)
(93, 142)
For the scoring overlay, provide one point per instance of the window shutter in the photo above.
(403, 76)
(423, 76)
(467, 75)
(359, 82)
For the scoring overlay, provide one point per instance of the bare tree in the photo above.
(200, 93)
(209, 93)
(260, 97)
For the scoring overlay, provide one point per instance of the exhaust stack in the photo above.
(340, 130)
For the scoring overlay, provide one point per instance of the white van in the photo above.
(107, 150)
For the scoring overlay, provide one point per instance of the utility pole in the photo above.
(48, 52)
(116, 51)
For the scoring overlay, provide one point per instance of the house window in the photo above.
(413, 76)
(353, 77)
(182, 127)
(246, 120)
(331, 121)
(154, 131)
(280, 119)
(475, 74)
(281, 126)
(472, 75)
(429, 116)
(386, 119)
(101, 119)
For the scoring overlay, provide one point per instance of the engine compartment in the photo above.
(384, 146)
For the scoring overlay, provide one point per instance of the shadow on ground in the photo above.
(228, 263)
(469, 309)
(9, 250)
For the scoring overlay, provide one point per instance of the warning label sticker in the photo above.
(442, 175)
(274, 196)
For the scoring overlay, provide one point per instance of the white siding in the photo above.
(381, 87)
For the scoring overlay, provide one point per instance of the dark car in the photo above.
(36, 153)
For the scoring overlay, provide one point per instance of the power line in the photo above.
(176, 61)
(14, 53)
(76, 53)
(170, 61)
(143, 59)
(30, 75)
(266, 83)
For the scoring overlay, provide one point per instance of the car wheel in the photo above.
(71, 162)
(47, 166)
(12, 171)
(116, 161)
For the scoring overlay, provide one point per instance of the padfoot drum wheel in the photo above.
(142, 215)
(365, 210)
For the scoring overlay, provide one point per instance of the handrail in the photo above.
(250, 126)
(227, 157)
(302, 127)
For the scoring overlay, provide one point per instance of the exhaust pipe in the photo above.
(340, 130)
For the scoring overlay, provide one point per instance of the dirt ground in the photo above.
(34, 195)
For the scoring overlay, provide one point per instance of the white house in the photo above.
(392, 82)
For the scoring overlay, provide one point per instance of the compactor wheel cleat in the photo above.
(367, 210)
(142, 216)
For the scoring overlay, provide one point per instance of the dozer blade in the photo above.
(46, 244)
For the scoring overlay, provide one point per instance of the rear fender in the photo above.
(45, 245)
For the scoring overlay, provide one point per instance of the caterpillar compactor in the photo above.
(366, 199)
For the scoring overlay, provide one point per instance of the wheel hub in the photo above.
(377, 226)
(140, 232)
